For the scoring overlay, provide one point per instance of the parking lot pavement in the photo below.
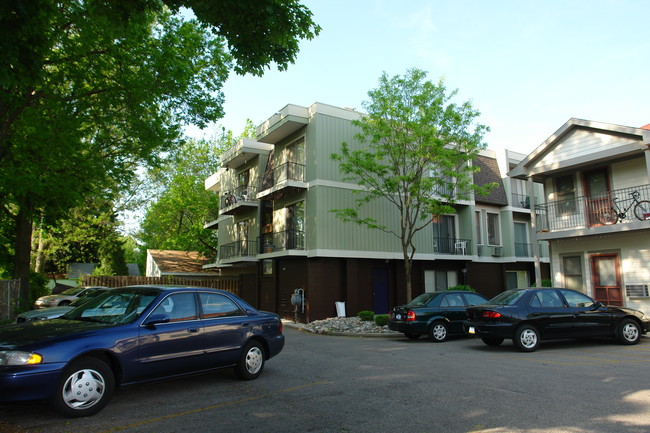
(324, 384)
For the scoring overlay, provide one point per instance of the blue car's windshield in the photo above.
(509, 297)
(117, 306)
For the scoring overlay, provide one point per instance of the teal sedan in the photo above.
(436, 314)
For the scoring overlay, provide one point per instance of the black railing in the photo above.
(289, 171)
(521, 200)
(282, 241)
(244, 193)
(590, 211)
(238, 249)
(453, 246)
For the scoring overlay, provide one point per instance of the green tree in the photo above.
(415, 151)
(179, 204)
(91, 89)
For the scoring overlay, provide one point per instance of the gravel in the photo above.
(347, 325)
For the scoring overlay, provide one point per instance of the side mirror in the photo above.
(157, 318)
(597, 305)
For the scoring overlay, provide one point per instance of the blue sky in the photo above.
(527, 66)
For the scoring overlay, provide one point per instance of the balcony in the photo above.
(453, 246)
(616, 210)
(282, 177)
(244, 151)
(238, 200)
(490, 251)
(283, 123)
(245, 250)
(282, 241)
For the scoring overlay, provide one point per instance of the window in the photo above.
(479, 232)
(215, 305)
(453, 300)
(494, 237)
(179, 307)
(473, 299)
(296, 226)
(572, 267)
(577, 300)
(566, 194)
(547, 299)
(444, 234)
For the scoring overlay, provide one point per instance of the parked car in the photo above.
(64, 298)
(527, 316)
(129, 335)
(54, 312)
(437, 314)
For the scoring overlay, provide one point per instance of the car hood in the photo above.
(28, 333)
(623, 310)
(49, 312)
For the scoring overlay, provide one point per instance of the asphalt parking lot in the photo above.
(349, 384)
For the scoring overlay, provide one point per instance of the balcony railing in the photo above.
(245, 248)
(282, 241)
(452, 246)
(590, 211)
(238, 195)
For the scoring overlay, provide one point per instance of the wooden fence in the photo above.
(227, 284)
(9, 299)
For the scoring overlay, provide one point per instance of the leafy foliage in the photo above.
(415, 148)
(366, 315)
(179, 204)
(92, 89)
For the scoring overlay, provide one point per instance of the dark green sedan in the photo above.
(437, 314)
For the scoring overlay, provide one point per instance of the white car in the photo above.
(56, 312)
(64, 298)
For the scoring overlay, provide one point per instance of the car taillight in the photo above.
(410, 316)
(491, 314)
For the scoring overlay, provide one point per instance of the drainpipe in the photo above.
(533, 223)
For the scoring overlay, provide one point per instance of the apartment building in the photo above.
(277, 231)
(596, 217)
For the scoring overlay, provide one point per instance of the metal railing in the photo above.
(588, 211)
(243, 193)
(289, 171)
(282, 241)
(243, 248)
(454, 246)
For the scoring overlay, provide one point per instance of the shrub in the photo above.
(366, 315)
(462, 287)
(381, 319)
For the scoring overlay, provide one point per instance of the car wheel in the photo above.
(411, 336)
(492, 341)
(85, 388)
(526, 338)
(628, 332)
(64, 303)
(438, 332)
(251, 364)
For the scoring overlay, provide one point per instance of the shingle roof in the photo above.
(178, 262)
(489, 173)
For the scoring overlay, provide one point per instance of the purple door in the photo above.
(380, 291)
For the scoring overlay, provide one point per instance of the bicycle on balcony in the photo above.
(618, 213)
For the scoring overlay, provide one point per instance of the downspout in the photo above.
(533, 224)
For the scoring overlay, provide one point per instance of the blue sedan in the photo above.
(130, 335)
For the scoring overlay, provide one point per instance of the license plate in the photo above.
(471, 330)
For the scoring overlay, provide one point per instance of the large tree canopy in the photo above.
(415, 151)
(92, 88)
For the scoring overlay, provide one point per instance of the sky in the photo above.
(527, 66)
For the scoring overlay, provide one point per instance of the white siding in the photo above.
(580, 143)
(630, 173)
(634, 254)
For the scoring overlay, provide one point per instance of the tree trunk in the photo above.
(408, 264)
(23, 248)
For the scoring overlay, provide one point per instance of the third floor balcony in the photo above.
(287, 175)
(239, 199)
